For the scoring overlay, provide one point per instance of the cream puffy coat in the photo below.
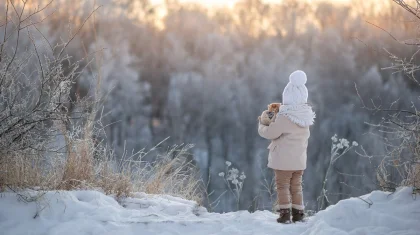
(288, 149)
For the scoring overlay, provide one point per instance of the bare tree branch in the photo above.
(38, 11)
(37, 54)
(17, 41)
(37, 22)
(413, 10)
(379, 27)
(5, 29)
(45, 38)
(77, 31)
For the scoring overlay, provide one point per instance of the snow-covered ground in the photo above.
(90, 212)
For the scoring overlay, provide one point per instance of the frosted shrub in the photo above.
(339, 147)
(234, 180)
(400, 166)
(37, 108)
(399, 130)
(35, 89)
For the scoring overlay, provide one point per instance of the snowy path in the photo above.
(90, 212)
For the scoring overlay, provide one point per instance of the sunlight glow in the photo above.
(230, 3)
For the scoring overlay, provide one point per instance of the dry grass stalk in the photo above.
(172, 173)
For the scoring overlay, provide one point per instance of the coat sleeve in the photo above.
(274, 130)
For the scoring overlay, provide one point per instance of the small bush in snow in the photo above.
(35, 102)
(234, 181)
(339, 147)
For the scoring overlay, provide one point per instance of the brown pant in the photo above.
(289, 184)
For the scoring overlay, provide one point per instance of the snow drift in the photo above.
(91, 212)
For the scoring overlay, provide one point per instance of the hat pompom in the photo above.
(298, 78)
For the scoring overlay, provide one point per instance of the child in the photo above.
(289, 134)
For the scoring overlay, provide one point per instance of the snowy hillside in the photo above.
(90, 212)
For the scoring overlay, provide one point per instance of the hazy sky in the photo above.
(227, 2)
(206, 2)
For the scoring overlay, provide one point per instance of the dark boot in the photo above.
(284, 216)
(298, 215)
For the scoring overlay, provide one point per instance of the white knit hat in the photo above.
(296, 92)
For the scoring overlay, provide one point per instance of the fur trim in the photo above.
(279, 207)
(298, 207)
(301, 114)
